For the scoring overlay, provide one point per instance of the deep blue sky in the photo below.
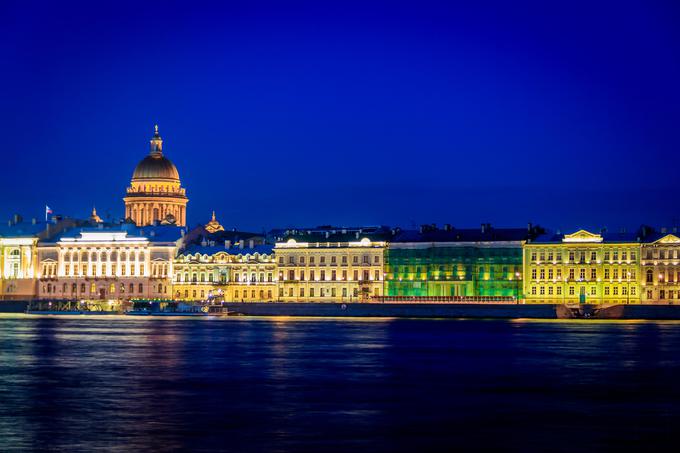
(307, 113)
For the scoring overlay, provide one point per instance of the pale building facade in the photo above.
(112, 264)
(660, 268)
(155, 194)
(17, 267)
(331, 264)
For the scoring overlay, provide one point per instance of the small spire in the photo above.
(213, 216)
(156, 142)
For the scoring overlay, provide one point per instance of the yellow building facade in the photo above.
(212, 273)
(336, 265)
(582, 267)
(155, 194)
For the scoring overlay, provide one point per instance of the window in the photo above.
(550, 274)
(376, 259)
(541, 290)
(542, 256)
(141, 288)
(571, 274)
(593, 274)
(632, 290)
(344, 259)
(333, 259)
(606, 256)
(302, 292)
(559, 290)
(533, 257)
(132, 288)
(615, 255)
(323, 275)
(571, 256)
(550, 256)
(606, 290)
(571, 290)
(550, 290)
(593, 256)
(533, 290)
(650, 276)
(533, 274)
(632, 255)
(582, 274)
(624, 255)
(606, 274)
(559, 256)
(542, 274)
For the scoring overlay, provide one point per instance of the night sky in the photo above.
(565, 114)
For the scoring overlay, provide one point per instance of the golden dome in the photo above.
(156, 165)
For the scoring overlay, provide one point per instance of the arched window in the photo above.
(650, 276)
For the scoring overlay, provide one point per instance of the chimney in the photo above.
(447, 227)
(241, 243)
(327, 234)
(483, 228)
(34, 221)
(227, 244)
(530, 227)
(357, 234)
(251, 244)
(17, 219)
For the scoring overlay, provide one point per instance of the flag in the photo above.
(48, 211)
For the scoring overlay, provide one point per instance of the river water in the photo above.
(324, 385)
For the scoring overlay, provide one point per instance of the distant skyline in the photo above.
(348, 113)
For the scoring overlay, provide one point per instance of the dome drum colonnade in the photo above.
(155, 193)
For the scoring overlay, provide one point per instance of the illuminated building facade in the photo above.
(583, 267)
(18, 242)
(219, 265)
(115, 263)
(215, 273)
(660, 267)
(155, 194)
(451, 263)
(331, 264)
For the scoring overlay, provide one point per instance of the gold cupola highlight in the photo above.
(155, 193)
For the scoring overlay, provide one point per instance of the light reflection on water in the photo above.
(294, 384)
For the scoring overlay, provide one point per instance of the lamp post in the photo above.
(628, 288)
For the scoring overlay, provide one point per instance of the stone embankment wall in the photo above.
(421, 310)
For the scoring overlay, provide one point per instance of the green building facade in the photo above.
(450, 262)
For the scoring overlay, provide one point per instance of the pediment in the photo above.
(668, 239)
(582, 236)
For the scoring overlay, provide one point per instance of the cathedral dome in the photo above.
(156, 166)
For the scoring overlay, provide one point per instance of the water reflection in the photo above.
(286, 384)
